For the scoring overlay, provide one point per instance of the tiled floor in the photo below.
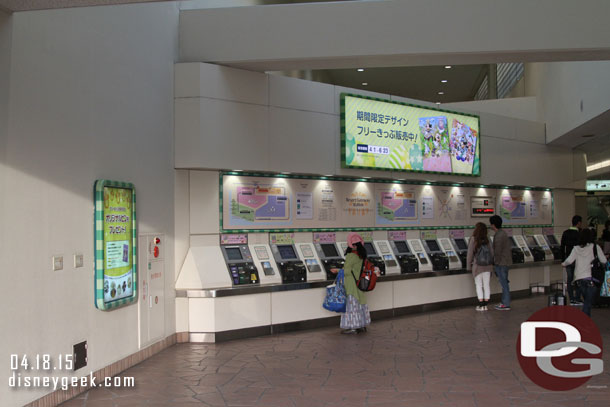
(459, 357)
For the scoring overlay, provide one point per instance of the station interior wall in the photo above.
(91, 97)
(88, 93)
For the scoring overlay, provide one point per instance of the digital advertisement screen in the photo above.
(390, 135)
(287, 252)
(329, 250)
(115, 244)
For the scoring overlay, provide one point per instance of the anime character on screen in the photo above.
(435, 144)
(463, 147)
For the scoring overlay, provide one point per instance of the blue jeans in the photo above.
(574, 291)
(588, 290)
(502, 273)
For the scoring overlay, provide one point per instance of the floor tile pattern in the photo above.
(453, 358)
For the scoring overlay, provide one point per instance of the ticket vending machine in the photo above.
(330, 258)
(384, 249)
(436, 254)
(447, 248)
(375, 258)
(261, 254)
(461, 248)
(406, 260)
(535, 249)
(555, 246)
(418, 250)
(519, 242)
(516, 252)
(342, 246)
(307, 252)
(240, 264)
(542, 243)
(292, 269)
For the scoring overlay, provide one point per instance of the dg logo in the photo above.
(560, 348)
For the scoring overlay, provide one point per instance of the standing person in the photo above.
(502, 259)
(480, 264)
(581, 256)
(356, 317)
(606, 237)
(569, 239)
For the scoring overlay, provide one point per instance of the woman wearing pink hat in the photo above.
(356, 317)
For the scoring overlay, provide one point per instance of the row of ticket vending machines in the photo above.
(301, 262)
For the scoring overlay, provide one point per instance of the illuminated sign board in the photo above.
(382, 134)
(598, 185)
(482, 206)
(115, 244)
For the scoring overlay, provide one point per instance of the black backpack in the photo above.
(483, 257)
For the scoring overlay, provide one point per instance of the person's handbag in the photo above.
(336, 299)
(598, 270)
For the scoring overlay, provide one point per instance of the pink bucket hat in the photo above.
(353, 238)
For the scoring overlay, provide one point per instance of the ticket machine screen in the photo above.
(370, 250)
(286, 252)
(461, 244)
(402, 247)
(552, 240)
(531, 242)
(512, 242)
(233, 253)
(433, 245)
(329, 250)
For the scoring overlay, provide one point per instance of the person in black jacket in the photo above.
(569, 239)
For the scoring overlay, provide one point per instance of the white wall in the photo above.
(561, 86)
(239, 120)
(91, 96)
(395, 33)
(524, 108)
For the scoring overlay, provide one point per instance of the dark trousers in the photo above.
(589, 291)
(574, 291)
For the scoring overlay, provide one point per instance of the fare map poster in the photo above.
(320, 204)
(115, 244)
(395, 136)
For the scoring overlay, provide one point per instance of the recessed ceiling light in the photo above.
(444, 81)
(364, 83)
(441, 93)
(447, 66)
(360, 69)
(438, 103)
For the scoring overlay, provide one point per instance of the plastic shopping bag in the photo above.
(335, 299)
(605, 290)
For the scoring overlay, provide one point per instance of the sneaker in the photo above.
(484, 307)
(360, 330)
(480, 308)
(349, 331)
(575, 303)
(502, 307)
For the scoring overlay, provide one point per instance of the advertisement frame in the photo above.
(99, 224)
(343, 136)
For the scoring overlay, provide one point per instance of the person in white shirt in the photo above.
(583, 255)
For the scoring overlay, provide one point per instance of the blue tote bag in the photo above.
(335, 295)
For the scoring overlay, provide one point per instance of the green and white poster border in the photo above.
(99, 246)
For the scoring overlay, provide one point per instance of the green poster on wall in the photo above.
(115, 244)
